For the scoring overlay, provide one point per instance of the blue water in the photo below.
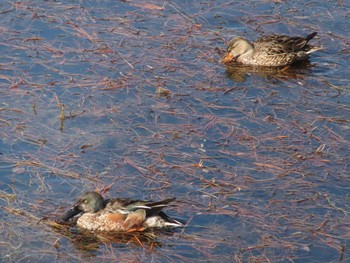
(258, 161)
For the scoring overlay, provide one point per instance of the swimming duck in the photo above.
(118, 214)
(270, 51)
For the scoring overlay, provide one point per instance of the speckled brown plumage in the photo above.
(270, 51)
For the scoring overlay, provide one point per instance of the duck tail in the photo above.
(313, 49)
(170, 221)
(311, 36)
(308, 48)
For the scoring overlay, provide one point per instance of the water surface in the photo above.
(258, 161)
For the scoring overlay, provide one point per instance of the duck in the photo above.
(270, 51)
(119, 214)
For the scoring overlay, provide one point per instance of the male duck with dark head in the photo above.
(120, 215)
(270, 51)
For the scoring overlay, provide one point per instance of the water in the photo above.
(258, 160)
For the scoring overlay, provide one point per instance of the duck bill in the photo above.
(228, 58)
(71, 213)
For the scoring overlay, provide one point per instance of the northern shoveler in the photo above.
(119, 214)
(270, 51)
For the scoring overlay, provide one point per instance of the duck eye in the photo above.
(85, 201)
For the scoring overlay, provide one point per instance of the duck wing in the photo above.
(127, 206)
(281, 44)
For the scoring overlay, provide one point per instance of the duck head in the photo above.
(238, 46)
(90, 202)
